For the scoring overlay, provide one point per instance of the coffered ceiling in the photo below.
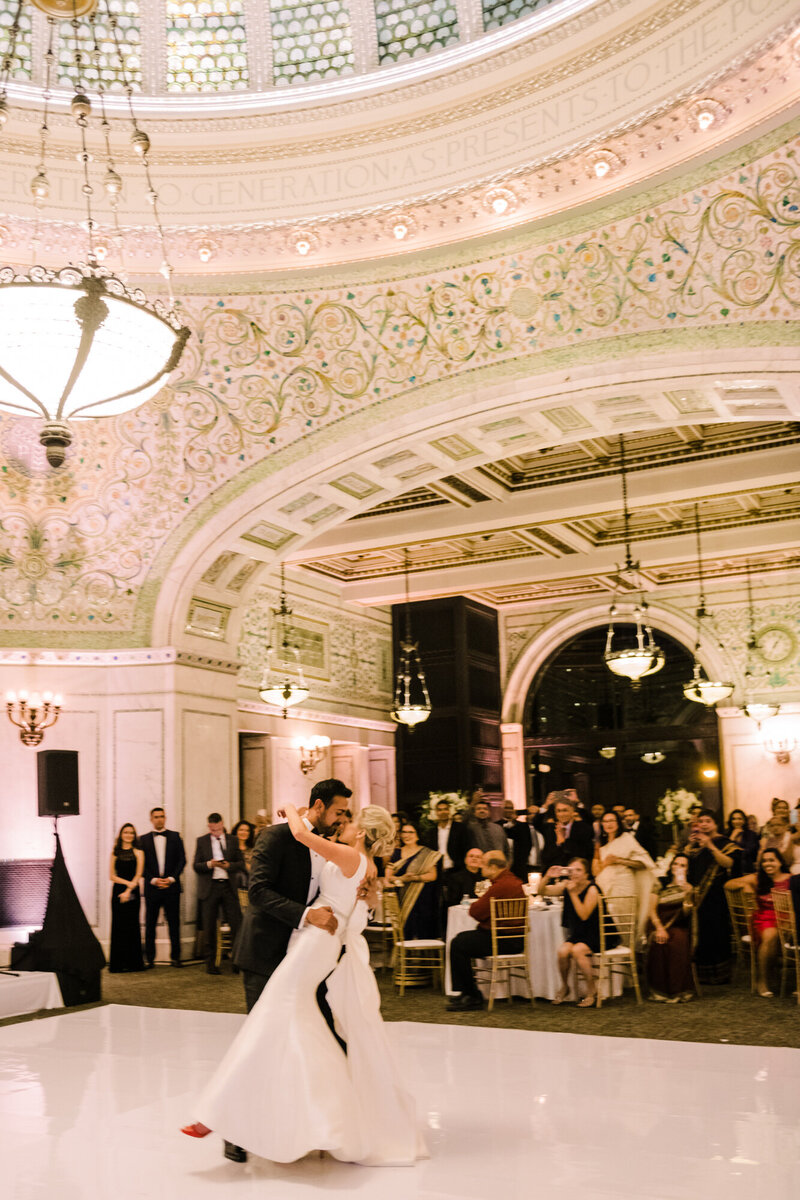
(545, 524)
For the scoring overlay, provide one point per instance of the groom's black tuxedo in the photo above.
(280, 873)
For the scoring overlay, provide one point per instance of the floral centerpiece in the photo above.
(458, 801)
(673, 808)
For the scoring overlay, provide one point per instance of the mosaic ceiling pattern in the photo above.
(263, 372)
(212, 46)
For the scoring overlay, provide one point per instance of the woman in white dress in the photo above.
(285, 1087)
(622, 867)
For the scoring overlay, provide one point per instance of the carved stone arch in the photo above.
(587, 396)
(662, 617)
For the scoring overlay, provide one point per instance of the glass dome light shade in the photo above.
(411, 714)
(760, 711)
(79, 343)
(632, 664)
(706, 691)
(283, 695)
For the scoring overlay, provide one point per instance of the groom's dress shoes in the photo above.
(235, 1153)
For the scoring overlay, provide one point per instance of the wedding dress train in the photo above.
(285, 1087)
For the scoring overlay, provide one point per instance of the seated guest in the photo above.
(414, 868)
(565, 837)
(483, 832)
(580, 922)
(772, 875)
(741, 835)
(477, 943)
(669, 941)
(519, 840)
(448, 837)
(713, 860)
(458, 884)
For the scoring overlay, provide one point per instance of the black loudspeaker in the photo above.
(58, 783)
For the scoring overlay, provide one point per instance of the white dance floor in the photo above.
(91, 1104)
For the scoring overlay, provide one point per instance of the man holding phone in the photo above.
(217, 859)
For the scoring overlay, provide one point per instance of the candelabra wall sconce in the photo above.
(33, 714)
(311, 750)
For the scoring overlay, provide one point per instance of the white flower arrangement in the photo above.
(674, 805)
(458, 801)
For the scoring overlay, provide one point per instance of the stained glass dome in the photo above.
(163, 47)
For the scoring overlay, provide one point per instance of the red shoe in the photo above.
(197, 1130)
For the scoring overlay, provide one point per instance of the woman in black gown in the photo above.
(127, 865)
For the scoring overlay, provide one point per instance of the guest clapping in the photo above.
(772, 875)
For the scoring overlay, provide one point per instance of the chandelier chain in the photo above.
(40, 185)
(11, 49)
(141, 144)
(630, 565)
(113, 182)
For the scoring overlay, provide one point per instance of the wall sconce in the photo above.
(778, 738)
(32, 715)
(311, 750)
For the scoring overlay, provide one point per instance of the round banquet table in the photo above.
(544, 938)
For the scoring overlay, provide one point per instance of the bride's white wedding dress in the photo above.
(285, 1087)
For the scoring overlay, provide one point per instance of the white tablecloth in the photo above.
(27, 992)
(544, 939)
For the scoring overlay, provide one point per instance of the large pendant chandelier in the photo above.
(757, 710)
(78, 340)
(412, 704)
(645, 657)
(700, 688)
(283, 683)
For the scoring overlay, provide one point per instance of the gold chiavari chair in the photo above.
(411, 956)
(618, 935)
(787, 932)
(510, 922)
(742, 906)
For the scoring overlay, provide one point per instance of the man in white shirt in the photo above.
(448, 837)
(217, 862)
(164, 860)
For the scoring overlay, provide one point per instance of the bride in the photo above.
(285, 1087)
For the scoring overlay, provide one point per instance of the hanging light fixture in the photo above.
(757, 710)
(283, 683)
(412, 704)
(645, 658)
(78, 341)
(700, 688)
(653, 757)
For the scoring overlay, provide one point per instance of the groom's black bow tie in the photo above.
(159, 833)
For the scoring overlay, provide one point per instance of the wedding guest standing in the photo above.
(713, 859)
(127, 865)
(448, 837)
(245, 834)
(622, 866)
(565, 837)
(217, 862)
(669, 942)
(413, 868)
(164, 860)
(744, 837)
(519, 840)
(484, 833)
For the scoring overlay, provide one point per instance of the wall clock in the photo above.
(776, 644)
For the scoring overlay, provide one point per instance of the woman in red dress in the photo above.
(772, 875)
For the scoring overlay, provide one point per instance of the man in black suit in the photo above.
(642, 830)
(519, 840)
(284, 880)
(217, 861)
(164, 860)
(447, 836)
(565, 837)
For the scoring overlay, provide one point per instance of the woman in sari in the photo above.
(413, 868)
(713, 860)
(669, 943)
(622, 866)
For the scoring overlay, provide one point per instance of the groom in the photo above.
(284, 880)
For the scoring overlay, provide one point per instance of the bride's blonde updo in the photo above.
(378, 828)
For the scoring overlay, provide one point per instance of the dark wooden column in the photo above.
(458, 747)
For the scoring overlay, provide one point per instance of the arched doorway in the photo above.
(586, 728)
